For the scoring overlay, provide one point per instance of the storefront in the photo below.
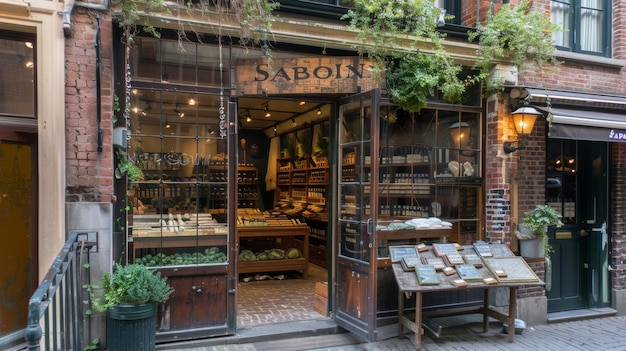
(584, 133)
(246, 164)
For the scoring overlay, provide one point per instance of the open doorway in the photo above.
(285, 142)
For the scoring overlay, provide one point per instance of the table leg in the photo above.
(485, 310)
(512, 312)
(418, 320)
(400, 315)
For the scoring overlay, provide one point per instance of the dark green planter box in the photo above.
(131, 328)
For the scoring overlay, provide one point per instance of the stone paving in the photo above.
(269, 301)
(607, 333)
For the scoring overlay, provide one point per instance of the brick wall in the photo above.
(618, 213)
(89, 172)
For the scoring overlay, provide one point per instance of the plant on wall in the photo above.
(409, 58)
(537, 221)
(127, 167)
(519, 35)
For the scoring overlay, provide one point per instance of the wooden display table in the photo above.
(408, 285)
(297, 264)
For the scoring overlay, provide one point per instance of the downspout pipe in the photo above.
(67, 20)
(98, 85)
(69, 7)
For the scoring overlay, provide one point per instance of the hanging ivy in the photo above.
(409, 57)
(254, 16)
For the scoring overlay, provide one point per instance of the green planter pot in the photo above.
(131, 327)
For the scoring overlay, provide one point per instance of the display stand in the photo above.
(408, 286)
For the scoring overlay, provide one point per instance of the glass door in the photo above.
(356, 278)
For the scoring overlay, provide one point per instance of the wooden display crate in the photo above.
(320, 300)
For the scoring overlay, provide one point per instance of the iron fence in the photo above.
(55, 310)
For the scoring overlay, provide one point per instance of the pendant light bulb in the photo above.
(267, 110)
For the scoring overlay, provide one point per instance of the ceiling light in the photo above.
(146, 109)
(191, 101)
(167, 125)
(28, 44)
(302, 103)
(319, 111)
(248, 116)
(267, 110)
(293, 121)
(180, 113)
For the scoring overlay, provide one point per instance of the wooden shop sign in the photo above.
(306, 75)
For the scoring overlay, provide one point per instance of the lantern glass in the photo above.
(524, 119)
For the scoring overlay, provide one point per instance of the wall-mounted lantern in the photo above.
(524, 120)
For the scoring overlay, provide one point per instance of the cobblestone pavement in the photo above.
(607, 333)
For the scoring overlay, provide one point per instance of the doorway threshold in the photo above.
(323, 327)
(586, 313)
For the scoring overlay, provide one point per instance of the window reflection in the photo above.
(17, 59)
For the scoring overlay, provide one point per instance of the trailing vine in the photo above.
(254, 16)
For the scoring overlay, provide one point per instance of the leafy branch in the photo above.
(520, 35)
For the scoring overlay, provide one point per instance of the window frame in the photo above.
(574, 34)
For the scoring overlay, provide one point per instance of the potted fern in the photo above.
(533, 231)
(130, 297)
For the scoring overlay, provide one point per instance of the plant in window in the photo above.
(126, 166)
(520, 35)
(409, 57)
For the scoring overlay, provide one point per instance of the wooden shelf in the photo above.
(263, 232)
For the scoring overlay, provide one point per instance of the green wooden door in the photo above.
(577, 184)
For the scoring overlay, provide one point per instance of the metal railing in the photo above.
(55, 314)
